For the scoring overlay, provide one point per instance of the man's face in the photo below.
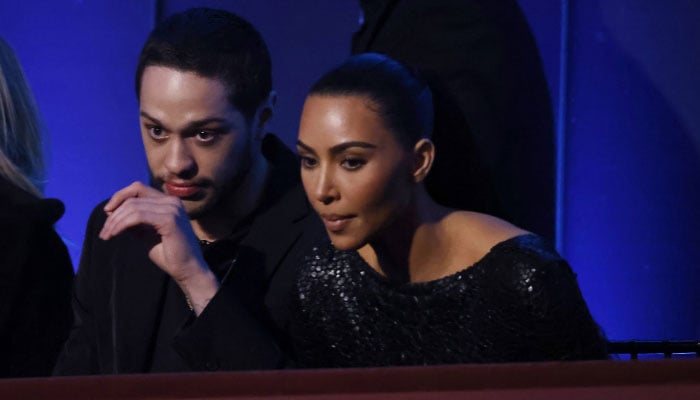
(197, 144)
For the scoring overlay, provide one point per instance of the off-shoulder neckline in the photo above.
(515, 241)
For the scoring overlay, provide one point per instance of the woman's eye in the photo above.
(307, 162)
(353, 163)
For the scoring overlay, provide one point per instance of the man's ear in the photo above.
(264, 114)
(423, 157)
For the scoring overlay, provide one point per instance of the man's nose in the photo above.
(179, 160)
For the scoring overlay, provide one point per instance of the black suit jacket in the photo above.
(119, 293)
(494, 131)
(36, 276)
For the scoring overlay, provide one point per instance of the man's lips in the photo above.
(181, 189)
(335, 222)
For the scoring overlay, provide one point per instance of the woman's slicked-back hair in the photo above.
(213, 44)
(395, 92)
(21, 156)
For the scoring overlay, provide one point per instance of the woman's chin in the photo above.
(346, 243)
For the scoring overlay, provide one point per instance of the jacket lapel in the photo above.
(266, 234)
(138, 294)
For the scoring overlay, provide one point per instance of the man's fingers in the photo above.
(124, 221)
(136, 189)
(138, 211)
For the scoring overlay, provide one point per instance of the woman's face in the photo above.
(355, 172)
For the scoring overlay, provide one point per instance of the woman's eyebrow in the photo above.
(339, 148)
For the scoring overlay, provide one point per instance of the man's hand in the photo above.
(167, 231)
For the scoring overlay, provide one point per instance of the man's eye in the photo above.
(353, 163)
(156, 132)
(206, 136)
(308, 162)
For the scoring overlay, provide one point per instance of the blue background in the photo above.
(625, 88)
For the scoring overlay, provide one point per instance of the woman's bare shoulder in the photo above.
(479, 233)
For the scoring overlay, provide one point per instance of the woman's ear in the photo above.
(264, 114)
(423, 157)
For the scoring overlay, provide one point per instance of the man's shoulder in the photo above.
(285, 200)
(96, 220)
(285, 230)
(18, 206)
(92, 243)
(277, 153)
(98, 211)
(289, 209)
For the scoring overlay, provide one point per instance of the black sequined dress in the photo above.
(520, 302)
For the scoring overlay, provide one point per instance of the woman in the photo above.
(405, 280)
(35, 269)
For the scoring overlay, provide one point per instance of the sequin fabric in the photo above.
(520, 302)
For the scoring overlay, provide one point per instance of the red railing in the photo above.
(677, 379)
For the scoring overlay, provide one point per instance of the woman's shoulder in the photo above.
(483, 225)
(526, 251)
(478, 234)
(20, 206)
(494, 243)
(530, 265)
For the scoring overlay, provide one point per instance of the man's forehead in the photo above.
(158, 79)
(159, 75)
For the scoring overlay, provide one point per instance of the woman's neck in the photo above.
(407, 250)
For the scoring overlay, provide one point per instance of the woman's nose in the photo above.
(326, 192)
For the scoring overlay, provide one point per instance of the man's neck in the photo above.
(237, 206)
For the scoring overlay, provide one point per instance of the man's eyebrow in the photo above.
(191, 125)
(153, 119)
(206, 121)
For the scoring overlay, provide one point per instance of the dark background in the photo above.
(625, 89)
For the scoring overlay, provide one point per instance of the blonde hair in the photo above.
(21, 156)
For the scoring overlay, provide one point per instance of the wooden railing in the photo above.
(676, 379)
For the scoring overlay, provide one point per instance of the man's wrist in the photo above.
(199, 289)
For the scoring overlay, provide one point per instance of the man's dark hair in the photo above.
(213, 44)
(397, 94)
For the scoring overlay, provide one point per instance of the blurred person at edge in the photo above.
(35, 269)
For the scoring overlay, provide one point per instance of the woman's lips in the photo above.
(181, 190)
(336, 223)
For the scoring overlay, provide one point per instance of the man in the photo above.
(192, 272)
